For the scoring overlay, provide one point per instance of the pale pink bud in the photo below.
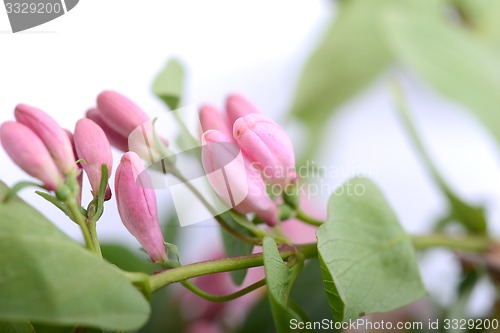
(237, 106)
(234, 179)
(51, 134)
(267, 146)
(93, 147)
(137, 205)
(212, 119)
(120, 113)
(30, 154)
(115, 139)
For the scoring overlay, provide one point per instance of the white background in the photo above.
(256, 48)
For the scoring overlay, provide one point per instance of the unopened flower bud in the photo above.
(237, 106)
(52, 135)
(136, 201)
(116, 139)
(93, 147)
(212, 119)
(28, 151)
(120, 113)
(234, 179)
(267, 146)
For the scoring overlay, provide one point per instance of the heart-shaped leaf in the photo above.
(368, 262)
(46, 277)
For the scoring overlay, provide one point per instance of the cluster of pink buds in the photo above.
(266, 154)
(118, 118)
(39, 146)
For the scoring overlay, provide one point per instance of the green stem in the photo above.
(307, 251)
(93, 235)
(73, 207)
(304, 217)
(183, 273)
(214, 298)
(469, 243)
(414, 135)
(471, 217)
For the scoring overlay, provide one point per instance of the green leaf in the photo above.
(16, 327)
(351, 55)
(471, 217)
(481, 19)
(126, 259)
(449, 58)
(278, 279)
(46, 277)
(367, 260)
(169, 84)
(234, 247)
(308, 291)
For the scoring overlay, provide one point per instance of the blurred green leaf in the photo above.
(46, 277)
(449, 58)
(166, 315)
(234, 247)
(352, 53)
(368, 261)
(126, 259)
(169, 84)
(488, 24)
(16, 327)
(310, 293)
(259, 319)
(481, 18)
(471, 217)
(278, 278)
(307, 291)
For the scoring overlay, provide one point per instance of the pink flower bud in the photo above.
(92, 146)
(120, 113)
(30, 154)
(234, 179)
(137, 205)
(267, 146)
(51, 134)
(212, 119)
(237, 106)
(115, 139)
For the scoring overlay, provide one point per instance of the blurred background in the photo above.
(322, 68)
